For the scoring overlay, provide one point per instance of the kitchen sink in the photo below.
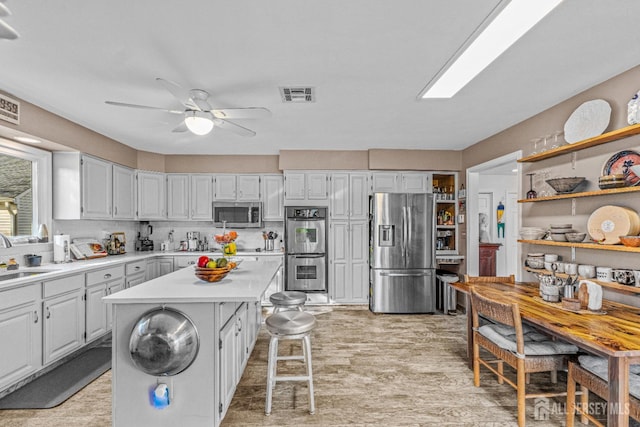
(19, 274)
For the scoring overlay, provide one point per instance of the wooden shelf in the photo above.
(591, 142)
(596, 246)
(446, 227)
(611, 285)
(582, 194)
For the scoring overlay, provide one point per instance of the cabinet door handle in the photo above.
(115, 210)
(35, 312)
(192, 262)
(137, 267)
(48, 313)
(107, 276)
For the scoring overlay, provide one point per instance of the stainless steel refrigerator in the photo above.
(402, 275)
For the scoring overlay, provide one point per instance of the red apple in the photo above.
(203, 260)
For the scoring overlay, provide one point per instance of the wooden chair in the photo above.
(520, 357)
(589, 381)
(490, 279)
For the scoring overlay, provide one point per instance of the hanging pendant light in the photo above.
(198, 122)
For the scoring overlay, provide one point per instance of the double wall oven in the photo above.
(306, 243)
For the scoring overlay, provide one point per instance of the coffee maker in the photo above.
(193, 240)
(145, 243)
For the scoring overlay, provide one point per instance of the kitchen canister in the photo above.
(604, 274)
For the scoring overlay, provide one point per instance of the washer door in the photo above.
(163, 342)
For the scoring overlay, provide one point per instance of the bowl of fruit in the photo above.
(213, 269)
(228, 242)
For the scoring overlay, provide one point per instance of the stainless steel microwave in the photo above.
(237, 214)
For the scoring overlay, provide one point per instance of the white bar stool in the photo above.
(289, 325)
(288, 300)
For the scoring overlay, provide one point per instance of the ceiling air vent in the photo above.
(9, 110)
(298, 94)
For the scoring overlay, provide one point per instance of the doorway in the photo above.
(492, 196)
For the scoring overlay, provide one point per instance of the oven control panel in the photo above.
(311, 213)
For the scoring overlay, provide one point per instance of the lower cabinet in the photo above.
(63, 325)
(135, 273)
(157, 267)
(101, 283)
(236, 340)
(276, 285)
(21, 327)
(349, 267)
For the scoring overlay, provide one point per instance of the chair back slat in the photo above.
(501, 312)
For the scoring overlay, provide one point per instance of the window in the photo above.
(25, 188)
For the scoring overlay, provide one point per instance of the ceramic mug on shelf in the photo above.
(604, 274)
(636, 276)
(559, 266)
(588, 271)
(571, 268)
(550, 257)
(624, 277)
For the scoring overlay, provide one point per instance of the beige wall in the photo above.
(444, 160)
(319, 159)
(48, 126)
(149, 161)
(221, 164)
(616, 91)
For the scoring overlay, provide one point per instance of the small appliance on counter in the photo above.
(61, 251)
(193, 241)
(144, 244)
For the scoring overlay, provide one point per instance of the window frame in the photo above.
(41, 180)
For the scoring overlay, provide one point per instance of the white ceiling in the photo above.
(367, 59)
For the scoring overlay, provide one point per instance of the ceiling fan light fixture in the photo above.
(199, 122)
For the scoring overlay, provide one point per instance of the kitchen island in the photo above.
(226, 316)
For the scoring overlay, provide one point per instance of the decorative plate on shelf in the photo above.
(620, 163)
(588, 120)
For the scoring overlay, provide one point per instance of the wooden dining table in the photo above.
(613, 333)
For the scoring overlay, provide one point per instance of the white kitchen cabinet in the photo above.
(63, 316)
(276, 285)
(225, 187)
(349, 196)
(124, 194)
(248, 188)
(254, 320)
(85, 187)
(242, 188)
(135, 273)
(178, 196)
(306, 186)
(385, 182)
(228, 368)
(272, 198)
(201, 197)
(401, 182)
(159, 266)
(151, 195)
(349, 261)
(101, 283)
(21, 332)
(97, 188)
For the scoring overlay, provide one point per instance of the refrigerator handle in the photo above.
(409, 231)
(404, 233)
(405, 274)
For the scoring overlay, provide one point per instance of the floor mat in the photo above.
(56, 386)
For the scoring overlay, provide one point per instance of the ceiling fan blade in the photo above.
(143, 107)
(181, 127)
(179, 93)
(4, 10)
(230, 126)
(242, 113)
(6, 32)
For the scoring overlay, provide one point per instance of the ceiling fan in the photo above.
(199, 116)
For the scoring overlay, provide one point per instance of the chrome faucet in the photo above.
(4, 241)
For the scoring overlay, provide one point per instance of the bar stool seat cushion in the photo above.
(288, 298)
(535, 343)
(290, 322)
(600, 367)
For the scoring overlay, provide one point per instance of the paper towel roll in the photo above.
(61, 248)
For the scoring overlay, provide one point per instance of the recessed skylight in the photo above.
(513, 21)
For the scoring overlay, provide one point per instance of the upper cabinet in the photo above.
(201, 197)
(300, 187)
(151, 195)
(124, 195)
(178, 196)
(237, 188)
(272, 198)
(401, 182)
(85, 187)
(350, 196)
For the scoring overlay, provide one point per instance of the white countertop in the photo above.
(53, 271)
(246, 283)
